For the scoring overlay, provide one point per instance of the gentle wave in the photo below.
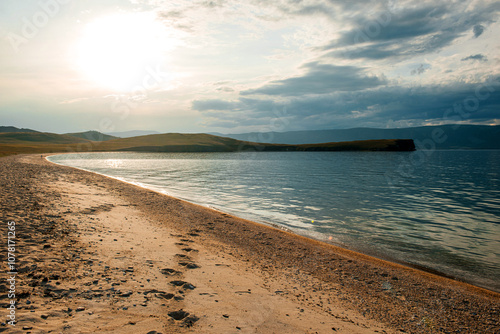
(444, 215)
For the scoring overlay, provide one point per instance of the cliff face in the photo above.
(403, 145)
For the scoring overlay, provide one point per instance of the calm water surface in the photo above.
(439, 210)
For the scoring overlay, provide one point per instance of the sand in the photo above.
(96, 255)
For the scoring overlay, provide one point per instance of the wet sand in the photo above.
(96, 255)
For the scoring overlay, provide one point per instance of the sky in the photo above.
(233, 66)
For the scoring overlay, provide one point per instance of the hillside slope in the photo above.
(38, 138)
(14, 129)
(92, 135)
(12, 143)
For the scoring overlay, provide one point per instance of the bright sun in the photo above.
(116, 52)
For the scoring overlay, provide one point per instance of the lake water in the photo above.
(437, 209)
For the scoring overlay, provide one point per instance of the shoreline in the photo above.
(373, 254)
(334, 287)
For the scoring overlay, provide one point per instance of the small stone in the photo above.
(80, 309)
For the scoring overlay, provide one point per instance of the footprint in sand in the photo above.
(187, 319)
(189, 265)
(183, 284)
(183, 256)
(170, 272)
(188, 249)
(186, 261)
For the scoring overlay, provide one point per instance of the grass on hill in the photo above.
(92, 136)
(15, 143)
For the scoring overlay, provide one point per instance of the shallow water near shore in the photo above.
(438, 210)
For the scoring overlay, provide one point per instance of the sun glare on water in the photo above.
(116, 52)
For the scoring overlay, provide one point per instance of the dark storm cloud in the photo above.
(376, 107)
(478, 30)
(320, 79)
(410, 31)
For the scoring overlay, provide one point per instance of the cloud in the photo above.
(320, 79)
(225, 89)
(478, 30)
(215, 104)
(479, 57)
(409, 31)
(476, 103)
(420, 69)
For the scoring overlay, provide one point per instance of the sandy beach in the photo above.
(97, 255)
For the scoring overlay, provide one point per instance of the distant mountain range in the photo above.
(133, 133)
(443, 137)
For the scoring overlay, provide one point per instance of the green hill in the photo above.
(38, 138)
(14, 129)
(13, 143)
(92, 135)
(174, 142)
